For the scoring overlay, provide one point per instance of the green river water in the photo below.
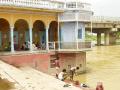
(103, 64)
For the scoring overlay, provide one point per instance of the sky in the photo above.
(105, 7)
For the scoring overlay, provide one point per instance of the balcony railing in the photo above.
(105, 19)
(78, 6)
(84, 16)
(70, 46)
(40, 4)
(67, 17)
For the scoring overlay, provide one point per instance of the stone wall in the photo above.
(72, 59)
(37, 61)
(42, 61)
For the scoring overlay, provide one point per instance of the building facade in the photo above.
(39, 32)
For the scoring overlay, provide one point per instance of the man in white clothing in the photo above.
(61, 75)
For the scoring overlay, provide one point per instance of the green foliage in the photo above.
(90, 37)
(118, 34)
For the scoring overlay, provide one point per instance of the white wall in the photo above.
(68, 32)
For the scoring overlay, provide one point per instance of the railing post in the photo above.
(54, 45)
(58, 33)
(91, 27)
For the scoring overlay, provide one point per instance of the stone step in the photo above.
(31, 79)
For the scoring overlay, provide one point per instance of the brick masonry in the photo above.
(68, 60)
(42, 61)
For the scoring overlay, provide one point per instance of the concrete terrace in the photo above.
(31, 79)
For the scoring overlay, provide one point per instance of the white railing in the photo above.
(69, 46)
(51, 45)
(42, 4)
(78, 6)
(105, 19)
(75, 16)
(67, 17)
(84, 16)
(84, 6)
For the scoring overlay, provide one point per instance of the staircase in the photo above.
(30, 79)
(53, 57)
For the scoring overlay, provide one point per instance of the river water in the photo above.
(103, 64)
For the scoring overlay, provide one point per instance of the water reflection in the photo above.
(103, 65)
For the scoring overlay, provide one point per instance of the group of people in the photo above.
(64, 74)
(26, 46)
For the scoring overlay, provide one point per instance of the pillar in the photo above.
(76, 31)
(106, 38)
(58, 34)
(12, 38)
(77, 36)
(47, 42)
(98, 38)
(30, 34)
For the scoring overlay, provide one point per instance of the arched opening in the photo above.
(4, 35)
(39, 36)
(53, 32)
(21, 33)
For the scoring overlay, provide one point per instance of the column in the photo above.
(98, 38)
(76, 30)
(106, 38)
(12, 38)
(58, 34)
(77, 35)
(47, 42)
(30, 33)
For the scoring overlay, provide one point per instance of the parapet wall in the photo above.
(37, 61)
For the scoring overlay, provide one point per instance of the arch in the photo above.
(4, 34)
(39, 33)
(53, 31)
(21, 24)
(21, 33)
(38, 24)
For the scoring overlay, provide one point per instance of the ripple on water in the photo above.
(103, 64)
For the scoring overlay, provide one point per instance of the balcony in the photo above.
(80, 16)
(69, 46)
(37, 4)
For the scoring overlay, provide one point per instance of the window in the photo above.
(80, 33)
(71, 5)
